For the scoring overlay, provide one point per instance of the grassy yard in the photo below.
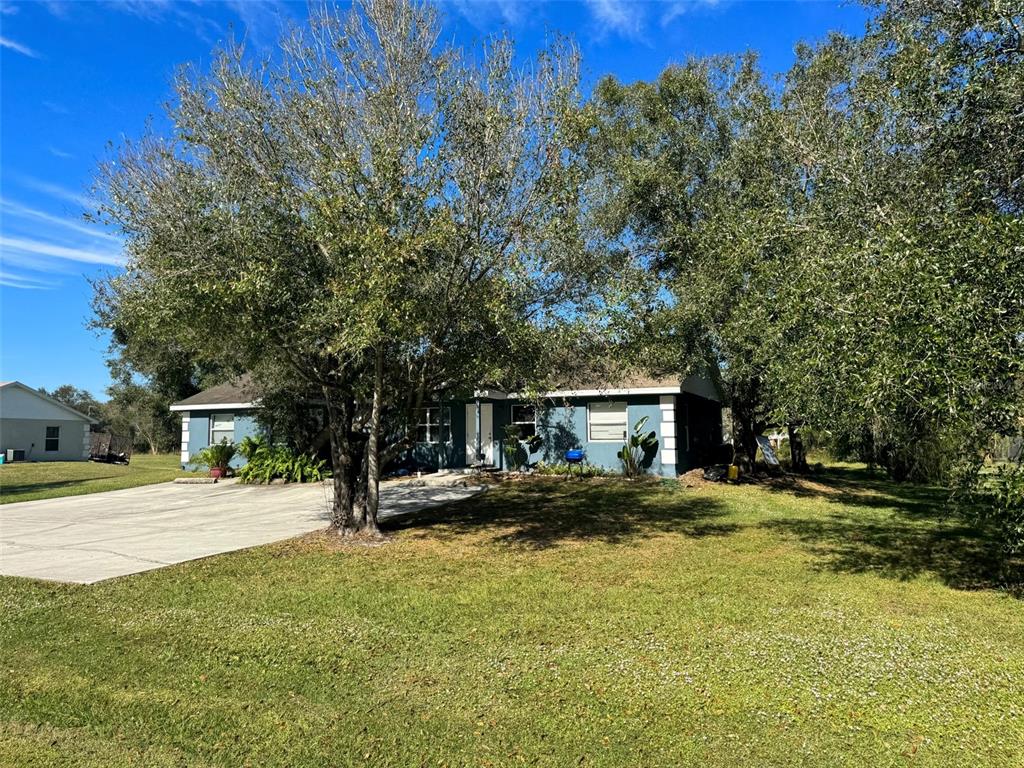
(841, 623)
(48, 479)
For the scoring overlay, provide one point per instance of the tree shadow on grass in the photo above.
(899, 531)
(539, 514)
(14, 489)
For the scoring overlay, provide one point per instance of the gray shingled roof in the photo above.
(235, 391)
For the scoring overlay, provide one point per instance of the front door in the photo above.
(486, 433)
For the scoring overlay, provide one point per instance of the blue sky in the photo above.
(75, 76)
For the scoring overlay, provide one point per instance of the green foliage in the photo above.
(557, 468)
(265, 462)
(845, 249)
(387, 216)
(511, 445)
(638, 451)
(1001, 502)
(218, 455)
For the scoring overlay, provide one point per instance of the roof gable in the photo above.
(19, 401)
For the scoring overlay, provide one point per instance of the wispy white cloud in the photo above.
(14, 280)
(57, 109)
(57, 152)
(12, 209)
(264, 20)
(183, 14)
(57, 191)
(34, 249)
(6, 42)
(59, 8)
(676, 8)
(482, 14)
(7, 9)
(621, 17)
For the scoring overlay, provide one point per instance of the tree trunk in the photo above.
(797, 454)
(744, 433)
(373, 449)
(339, 422)
(746, 402)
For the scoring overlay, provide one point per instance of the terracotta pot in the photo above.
(217, 472)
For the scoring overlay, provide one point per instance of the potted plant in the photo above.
(217, 457)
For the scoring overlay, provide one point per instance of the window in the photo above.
(222, 427)
(434, 425)
(525, 417)
(607, 422)
(52, 439)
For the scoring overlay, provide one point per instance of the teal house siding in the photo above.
(685, 416)
(199, 434)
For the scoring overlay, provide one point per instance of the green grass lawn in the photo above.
(26, 481)
(843, 623)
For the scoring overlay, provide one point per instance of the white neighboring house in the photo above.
(34, 427)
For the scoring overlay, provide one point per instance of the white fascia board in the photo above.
(611, 392)
(214, 407)
(491, 394)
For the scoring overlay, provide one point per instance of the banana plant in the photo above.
(638, 450)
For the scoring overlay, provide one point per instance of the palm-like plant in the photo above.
(638, 450)
(217, 456)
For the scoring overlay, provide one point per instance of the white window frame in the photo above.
(47, 439)
(444, 421)
(213, 421)
(513, 420)
(607, 407)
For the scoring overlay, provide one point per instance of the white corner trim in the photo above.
(214, 407)
(667, 404)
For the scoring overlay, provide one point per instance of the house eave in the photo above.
(212, 406)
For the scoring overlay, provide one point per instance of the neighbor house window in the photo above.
(434, 425)
(52, 439)
(607, 422)
(222, 427)
(525, 417)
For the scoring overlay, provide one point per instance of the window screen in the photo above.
(222, 427)
(607, 421)
(52, 439)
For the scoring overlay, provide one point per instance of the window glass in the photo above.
(525, 417)
(607, 421)
(434, 425)
(222, 427)
(52, 439)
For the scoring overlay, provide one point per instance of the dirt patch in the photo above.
(693, 479)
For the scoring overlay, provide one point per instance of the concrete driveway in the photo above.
(90, 538)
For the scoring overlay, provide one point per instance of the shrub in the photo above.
(217, 455)
(638, 450)
(561, 468)
(1002, 503)
(267, 462)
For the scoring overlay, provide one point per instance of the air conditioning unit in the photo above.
(15, 454)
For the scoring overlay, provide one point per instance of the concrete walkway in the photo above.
(90, 538)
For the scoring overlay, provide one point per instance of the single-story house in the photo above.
(226, 411)
(35, 427)
(685, 415)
